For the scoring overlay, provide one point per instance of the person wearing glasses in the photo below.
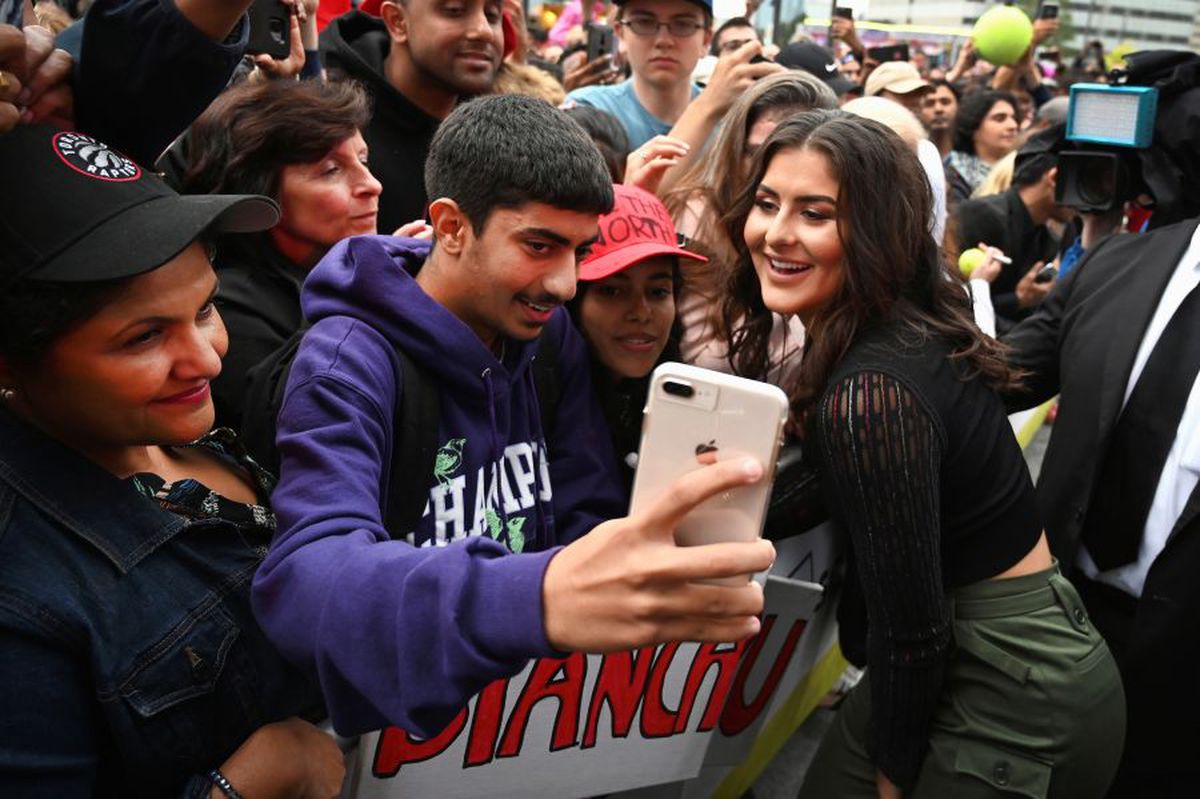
(732, 34)
(661, 41)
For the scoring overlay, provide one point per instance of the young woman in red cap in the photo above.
(625, 307)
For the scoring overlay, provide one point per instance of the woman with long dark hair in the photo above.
(982, 668)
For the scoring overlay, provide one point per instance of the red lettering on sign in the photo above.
(658, 721)
(739, 714)
(620, 683)
(396, 747)
(727, 666)
(485, 724)
(545, 683)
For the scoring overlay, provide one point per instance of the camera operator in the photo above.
(1119, 340)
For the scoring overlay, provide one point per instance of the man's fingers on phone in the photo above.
(10, 87)
(9, 117)
(12, 42)
(55, 70)
(693, 488)
(39, 44)
(715, 561)
(717, 601)
(710, 630)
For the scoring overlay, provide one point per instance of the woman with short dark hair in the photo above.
(985, 130)
(982, 669)
(297, 142)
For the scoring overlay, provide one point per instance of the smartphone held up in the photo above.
(695, 417)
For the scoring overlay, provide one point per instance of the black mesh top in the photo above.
(921, 468)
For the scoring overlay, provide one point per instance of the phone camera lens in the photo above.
(677, 389)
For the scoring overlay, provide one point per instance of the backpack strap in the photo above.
(266, 383)
(414, 448)
(546, 381)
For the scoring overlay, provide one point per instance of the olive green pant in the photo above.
(1031, 705)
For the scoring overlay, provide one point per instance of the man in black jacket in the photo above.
(1015, 221)
(1119, 341)
(417, 61)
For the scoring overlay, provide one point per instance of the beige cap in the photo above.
(897, 77)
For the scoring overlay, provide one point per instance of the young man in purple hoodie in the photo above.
(402, 631)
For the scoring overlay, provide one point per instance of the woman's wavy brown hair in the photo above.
(894, 270)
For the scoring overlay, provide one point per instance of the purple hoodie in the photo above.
(405, 632)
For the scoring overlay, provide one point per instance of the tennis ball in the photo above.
(970, 259)
(1002, 35)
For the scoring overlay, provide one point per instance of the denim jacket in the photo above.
(130, 663)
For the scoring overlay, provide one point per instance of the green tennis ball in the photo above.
(970, 259)
(1002, 35)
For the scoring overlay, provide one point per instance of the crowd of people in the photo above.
(322, 377)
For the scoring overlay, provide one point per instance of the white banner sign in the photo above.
(588, 725)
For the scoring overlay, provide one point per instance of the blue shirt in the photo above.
(621, 101)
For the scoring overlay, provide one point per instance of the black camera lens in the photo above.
(676, 389)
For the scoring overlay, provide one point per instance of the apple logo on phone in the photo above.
(707, 452)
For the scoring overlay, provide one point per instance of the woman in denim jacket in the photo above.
(132, 665)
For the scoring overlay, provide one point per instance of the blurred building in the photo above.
(1143, 24)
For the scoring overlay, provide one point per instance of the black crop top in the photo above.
(921, 468)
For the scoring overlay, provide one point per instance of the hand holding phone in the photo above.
(600, 41)
(626, 584)
(270, 29)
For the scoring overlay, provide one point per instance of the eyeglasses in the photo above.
(729, 45)
(680, 28)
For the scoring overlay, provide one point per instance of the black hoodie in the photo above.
(354, 46)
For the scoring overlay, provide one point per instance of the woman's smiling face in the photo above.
(792, 233)
(627, 317)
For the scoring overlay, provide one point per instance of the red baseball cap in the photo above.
(637, 228)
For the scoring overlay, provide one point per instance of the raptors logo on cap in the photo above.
(89, 157)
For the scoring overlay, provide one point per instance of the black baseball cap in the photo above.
(75, 210)
(815, 60)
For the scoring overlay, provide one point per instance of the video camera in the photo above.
(1115, 119)
(1135, 136)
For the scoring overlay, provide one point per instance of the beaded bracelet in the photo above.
(218, 779)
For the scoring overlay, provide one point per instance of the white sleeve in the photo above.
(931, 161)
